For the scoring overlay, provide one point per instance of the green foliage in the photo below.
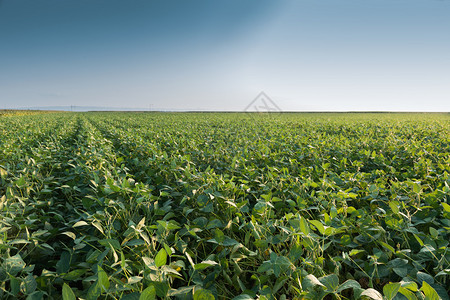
(67, 293)
(148, 294)
(234, 206)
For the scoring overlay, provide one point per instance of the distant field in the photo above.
(224, 205)
(12, 112)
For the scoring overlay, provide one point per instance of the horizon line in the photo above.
(142, 110)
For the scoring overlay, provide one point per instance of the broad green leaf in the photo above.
(103, 280)
(446, 207)
(372, 187)
(202, 200)
(421, 276)
(204, 264)
(94, 291)
(327, 219)
(80, 223)
(110, 243)
(161, 258)
(265, 266)
(356, 252)
(190, 259)
(67, 293)
(390, 290)
(75, 274)
(28, 285)
(331, 282)
(229, 242)
(260, 207)
(280, 265)
(134, 279)
(14, 284)
(402, 272)
(429, 291)
(349, 284)
(136, 242)
(304, 226)
(182, 291)
(441, 291)
(443, 273)
(387, 246)
(20, 182)
(63, 265)
(219, 236)
(279, 283)
(372, 294)
(295, 252)
(37, 295)
(419, 240)
(318, 225)
(3, 173)
(434, 233)
(407, 293)
(14, 264)
(168, 250)
(70, 234)
(410, 285)
(161, 288)
(141, 223)
(203, 294)
(311, 281)
(394, 207)
(398, 263)
(243, 297)
(18, 241)
(333, 212)
(216, 223)
(148, 294)
(98, 226)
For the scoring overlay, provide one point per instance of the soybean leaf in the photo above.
(203, 294)
(372, 294)
(331, 282)
(407, 293)
(148, 294)
(67, 293)
(390, 290)
(304, 226)
(310, 282)
(204, 264)
(14, 264)
(429, 291)
(161, 258)
(103, 280)
(349, 284)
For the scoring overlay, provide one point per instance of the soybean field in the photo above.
(115, 205)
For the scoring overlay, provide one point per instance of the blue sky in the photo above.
(333, 55)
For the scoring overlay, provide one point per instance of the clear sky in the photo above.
(218, 55)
